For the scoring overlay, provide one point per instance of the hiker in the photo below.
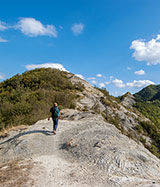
(55, 116)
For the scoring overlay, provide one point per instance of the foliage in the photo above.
(104, 91)
(108, 100)
(148, 93)
(106, 94)
(115, 120)
(149, 129)
(152, 131)
(26, 98)
(151, 110)
(148, 103)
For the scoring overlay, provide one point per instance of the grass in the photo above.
(16, 173)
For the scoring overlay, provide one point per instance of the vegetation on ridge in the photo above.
(148, 103)
(26, 98)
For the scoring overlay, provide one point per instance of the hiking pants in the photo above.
(55, 123)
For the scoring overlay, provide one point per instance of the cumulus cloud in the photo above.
(102, 85)
(135, 84)
(148, 51)
(32, 27)
(77, 29)
(139, 83)
(80, 76)
(118, 83)
(3, 40)
(2, 26)
(140, 72)
(45, 65)
(99, 75)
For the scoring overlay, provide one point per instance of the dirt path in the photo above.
(41, 160)
(34, 157)
(55, 170)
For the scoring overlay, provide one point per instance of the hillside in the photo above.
(148, 103)
(26, 98)
(149, 93)
(98, 142)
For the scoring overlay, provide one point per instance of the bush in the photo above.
(149, 129)
(151, 110)
(27, 98)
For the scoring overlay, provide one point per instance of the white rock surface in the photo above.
(87, 151)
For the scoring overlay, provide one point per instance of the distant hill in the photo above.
(26, 98)
(149, 93)
(148, 103)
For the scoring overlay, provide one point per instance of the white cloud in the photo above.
(101, 85)
(139, 83)
(118, 83)
(94, 82)
(140, 72)
(108, 82)
(77, 29)
(80, 76)
(2, 26)
(91, 78)
(46, 65)
(2, 76)
(129, 68)
(147, 51)
(135, 84)
(32, 27)
(3, 40)
(99, 75)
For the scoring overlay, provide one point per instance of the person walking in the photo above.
(55, 116)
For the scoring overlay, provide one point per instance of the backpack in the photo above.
(56, 112)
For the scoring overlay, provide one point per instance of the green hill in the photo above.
(148, 93)
(148, 103)
(27, 98)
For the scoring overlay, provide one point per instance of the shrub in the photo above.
(26, 98)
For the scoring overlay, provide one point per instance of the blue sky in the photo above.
(113, 43)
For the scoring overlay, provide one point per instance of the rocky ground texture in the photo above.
(87, 151)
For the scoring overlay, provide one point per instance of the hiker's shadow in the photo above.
(45, 132)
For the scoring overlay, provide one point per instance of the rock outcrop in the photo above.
(128, 100)
(88, 149)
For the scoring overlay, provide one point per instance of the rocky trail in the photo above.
(87, 151)
(43, 157)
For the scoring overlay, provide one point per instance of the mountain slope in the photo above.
(148, 103)
(26, 98)
(87, 151)
(97, 144)
(148, 93)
